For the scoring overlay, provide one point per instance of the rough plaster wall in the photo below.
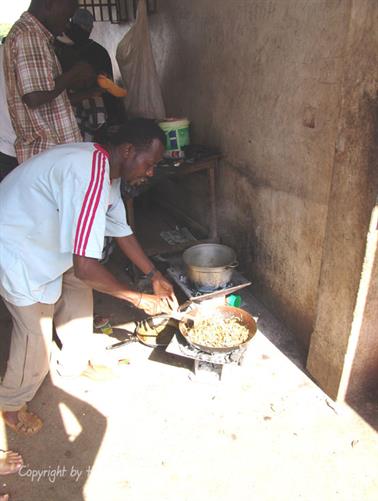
(261, 80)
(353, 195)
(264, 81)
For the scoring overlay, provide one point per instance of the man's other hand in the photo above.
(163, 287)
(155, 304)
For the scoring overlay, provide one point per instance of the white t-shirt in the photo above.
(56, 204)
(7, 134)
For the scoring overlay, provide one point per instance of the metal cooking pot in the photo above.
(209, 266)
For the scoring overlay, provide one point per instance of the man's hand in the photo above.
(131, 248)
(155, 304)
(164, 288)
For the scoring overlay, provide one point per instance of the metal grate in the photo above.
(115, 11)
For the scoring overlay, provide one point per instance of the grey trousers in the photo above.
(31, 340)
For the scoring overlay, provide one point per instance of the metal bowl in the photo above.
(156, 331)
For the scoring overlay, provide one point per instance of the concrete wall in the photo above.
(267, 81)
(109, 35)
(363, 364)
(353, 194)
(261, 80)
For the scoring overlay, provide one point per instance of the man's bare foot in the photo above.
(22, 421)
(10, 462)
(4, 497)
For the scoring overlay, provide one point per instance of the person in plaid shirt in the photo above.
(38, 103)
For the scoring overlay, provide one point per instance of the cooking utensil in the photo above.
(203, 313)
(152, 332)
(222, 292)
(209, 266)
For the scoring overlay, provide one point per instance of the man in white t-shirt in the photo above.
(56, 209)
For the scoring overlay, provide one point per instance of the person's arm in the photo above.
(35, 64)
(95, 275)
(79, 75)
(132, 249)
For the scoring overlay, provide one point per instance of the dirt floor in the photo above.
(265, 432)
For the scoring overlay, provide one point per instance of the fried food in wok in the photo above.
(218, 332)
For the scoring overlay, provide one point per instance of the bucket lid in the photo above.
(174, 123)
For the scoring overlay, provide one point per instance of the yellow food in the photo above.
(107, 84)
(147, 328)
(218, 332)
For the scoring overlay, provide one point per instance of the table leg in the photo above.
(213, 211)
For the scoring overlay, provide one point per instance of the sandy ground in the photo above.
(265, 432)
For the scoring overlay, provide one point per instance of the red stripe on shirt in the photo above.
(103, 150)
(101, 161)
(90, 206)
(79, 229)
(88, 202)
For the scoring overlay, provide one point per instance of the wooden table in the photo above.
(208, 165)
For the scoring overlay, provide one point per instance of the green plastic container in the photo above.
(176, 132)
(234, 300)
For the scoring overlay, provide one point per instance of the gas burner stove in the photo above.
(177, 272)
(234, 356)
(207, 366)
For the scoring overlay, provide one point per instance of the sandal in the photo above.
(27, 423)
(10, 462)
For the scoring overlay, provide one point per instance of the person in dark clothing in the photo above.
(92, 107)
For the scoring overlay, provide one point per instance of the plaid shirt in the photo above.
(90, 115)
(30, 65)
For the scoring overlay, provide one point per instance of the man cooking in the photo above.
(56, 210)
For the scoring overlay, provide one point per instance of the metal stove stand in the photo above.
(177, 273)
(206, 365)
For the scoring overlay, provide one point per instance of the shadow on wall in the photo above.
(278, 335)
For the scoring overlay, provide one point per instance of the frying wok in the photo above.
(224, 312)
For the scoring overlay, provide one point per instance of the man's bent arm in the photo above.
(131, 248)
(95, 275)
(81, 72)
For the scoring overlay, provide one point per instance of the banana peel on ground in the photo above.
(107, 84)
